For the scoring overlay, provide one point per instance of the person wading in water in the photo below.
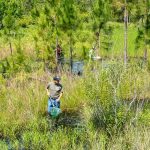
(54, 91)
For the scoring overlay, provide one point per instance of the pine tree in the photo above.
(143, 18)
(12, 12)
(68, 22)
(125, 32)
(100, 14)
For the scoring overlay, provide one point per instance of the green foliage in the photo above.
(94, 107)
(113, 93)
(104, 106)
(3, 145)
(144, 23)
(75, 24)
(101, 11)
(144, 117)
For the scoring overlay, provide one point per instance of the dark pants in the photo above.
(58, 104)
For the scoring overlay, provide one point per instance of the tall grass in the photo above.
(103, 109)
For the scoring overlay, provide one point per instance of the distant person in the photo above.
(54, 91)
(59, 51)
(92, 53)
(60, 55)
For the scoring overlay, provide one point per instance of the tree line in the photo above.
(59, 20)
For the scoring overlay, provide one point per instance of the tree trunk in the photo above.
(125, 33)
(56, 57)
(71, 61)
(146, 30)
(145, 54)
(99, 44)
(10, 46)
